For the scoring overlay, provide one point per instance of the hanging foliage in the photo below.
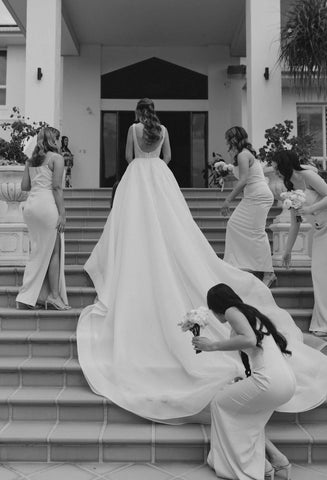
(304, 44)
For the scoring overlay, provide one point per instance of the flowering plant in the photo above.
(21, 130)
(293, 199)
(218, 169)
(194, 320)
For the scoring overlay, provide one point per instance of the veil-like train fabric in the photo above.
(151, 265)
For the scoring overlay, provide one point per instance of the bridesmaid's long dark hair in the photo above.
(221, 297)
(287, 162)
(237, 138)
(147, 116)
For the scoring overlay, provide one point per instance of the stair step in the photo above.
(152, 443)
(78, 297)
(74, 404)
(79, 403)
(39, 320)
(40, 372)
(76, 276)
(33, 344)
(197, 209)
(84, 245)
(293, 297)
(99, 220)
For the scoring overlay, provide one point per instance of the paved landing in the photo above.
(134, 471)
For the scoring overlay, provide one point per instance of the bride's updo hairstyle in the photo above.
(237, 139)
(286, 163)
(45, 142)
(147, 115)
(221, 297)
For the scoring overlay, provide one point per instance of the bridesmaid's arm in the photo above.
(166, 151)
(244, 335)
(243, 159)
(129, 145)
(57, 165)
(291, 237)
(26, 180)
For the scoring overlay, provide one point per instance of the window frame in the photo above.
(4, 86)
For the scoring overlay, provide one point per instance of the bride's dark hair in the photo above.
(286, 162)
(221, 297)
(237, 138)
(147, 116)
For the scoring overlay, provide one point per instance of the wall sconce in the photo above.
(39, 74)
(266, 74)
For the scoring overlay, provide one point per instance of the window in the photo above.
(3, 76)
(311, 120)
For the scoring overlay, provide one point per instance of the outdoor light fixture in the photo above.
(266, 74)
(39, 73)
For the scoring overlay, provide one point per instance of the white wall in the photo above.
(211, 61)
(15, 83)
(81, 114)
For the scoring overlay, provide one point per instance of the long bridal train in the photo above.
(151, 265)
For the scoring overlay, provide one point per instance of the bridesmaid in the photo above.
(44, 214)
(240, 411)
(296, 177)
(247, 245)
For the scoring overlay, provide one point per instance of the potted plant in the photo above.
(12, 159)
(304, 44)
(279, 138)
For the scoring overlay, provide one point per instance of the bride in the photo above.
(151, 265)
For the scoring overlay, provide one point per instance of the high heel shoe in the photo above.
(268, 280)
(25, 306)
(269, 471)
(54, 304)
(280, 468)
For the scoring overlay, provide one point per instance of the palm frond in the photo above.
(304, 44)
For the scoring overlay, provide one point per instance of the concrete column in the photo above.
(43, 50)
(264, 96)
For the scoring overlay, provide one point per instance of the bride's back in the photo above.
(143, 149)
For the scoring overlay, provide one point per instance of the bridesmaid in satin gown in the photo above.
(240, 410)
(247, 245)
(44, 214)
(296, 177)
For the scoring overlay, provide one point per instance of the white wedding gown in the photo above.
(151, 265)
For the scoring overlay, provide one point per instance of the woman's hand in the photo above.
(286, 259)
(61, 223)
(225, 209)
(202, 343)
(305, 210)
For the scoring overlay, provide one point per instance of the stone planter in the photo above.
(11, 193)
(14, 241)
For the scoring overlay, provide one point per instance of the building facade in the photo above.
(82, 66)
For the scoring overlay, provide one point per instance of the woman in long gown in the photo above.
(247, 245)
(296, 177)
(151, 265)
(44, 214)
(240, 410)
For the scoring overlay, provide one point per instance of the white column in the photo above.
(43, 50)
(264, 96)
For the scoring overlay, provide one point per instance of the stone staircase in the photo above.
(47, 411)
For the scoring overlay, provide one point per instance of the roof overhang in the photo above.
(146, 23)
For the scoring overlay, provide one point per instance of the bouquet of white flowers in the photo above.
(194, 320)
(293, 199)
(218, 169)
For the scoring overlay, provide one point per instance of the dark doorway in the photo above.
(188, 140)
